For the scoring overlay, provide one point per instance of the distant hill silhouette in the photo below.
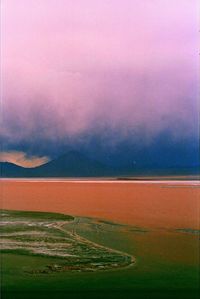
(11, 170)
(72, 164)
(75, 164)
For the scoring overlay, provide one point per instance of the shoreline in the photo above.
(104, 181)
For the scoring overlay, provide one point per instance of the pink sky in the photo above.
(73, 66)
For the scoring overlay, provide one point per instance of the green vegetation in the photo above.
(189, 231)
(167, 263)
(22, 233)
(7, 214)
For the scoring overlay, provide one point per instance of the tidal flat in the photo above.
(84, 257)
(54, 235)
(152, 231)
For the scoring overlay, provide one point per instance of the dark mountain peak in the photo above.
(72, 164)
(9, 165)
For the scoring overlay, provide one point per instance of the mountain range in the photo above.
(72, 164)
(75, 164)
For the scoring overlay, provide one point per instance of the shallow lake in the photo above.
(143, 203)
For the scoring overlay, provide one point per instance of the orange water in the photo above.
(138, 203)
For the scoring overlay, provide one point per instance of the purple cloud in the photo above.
(71, 67)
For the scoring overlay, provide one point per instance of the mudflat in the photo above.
(46, 255)
(152, 204)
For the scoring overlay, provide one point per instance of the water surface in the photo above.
(144, 203)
